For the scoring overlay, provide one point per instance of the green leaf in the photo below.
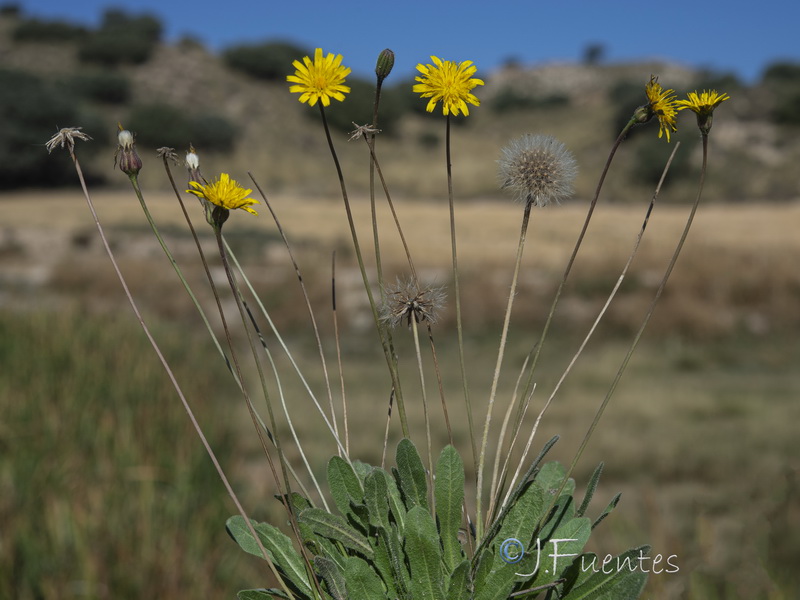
(413, 481)
(261, 594)
(278, 546)
(449, 493)
(623, 579)
(335, 528)
(362, 581)
(458, 588)
(333, 577)
(424, 556)
(376, 497)
(520, 522)
(611, 506)
(551, 476)
(590, 489)
(344, 484)
(382, 563)
(558, 552)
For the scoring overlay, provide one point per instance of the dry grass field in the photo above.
(700, 437)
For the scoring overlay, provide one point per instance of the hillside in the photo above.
(259, 126)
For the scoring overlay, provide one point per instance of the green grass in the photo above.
(105, 491)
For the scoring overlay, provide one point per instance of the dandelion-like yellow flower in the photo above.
(703, 103)
(319, 80)
(703, 106)
(225, 192)
(449, 82)
(662, 103)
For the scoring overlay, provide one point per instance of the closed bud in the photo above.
(129, 161)
(384, 65)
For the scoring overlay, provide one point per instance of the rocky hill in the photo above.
(182, 93)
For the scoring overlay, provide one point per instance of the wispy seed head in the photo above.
(407, 300)
(538, 169)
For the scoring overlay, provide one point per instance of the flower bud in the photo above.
(384, 64)
(129, 161)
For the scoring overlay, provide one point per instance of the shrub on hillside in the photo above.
(102, 86)
(782, 79)
(121, 39)
(271, 61)
(37, 30)
(158, 125)
(32, 109)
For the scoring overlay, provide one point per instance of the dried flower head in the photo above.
(361, 131)
(168, 154)
(450, 82)
(538, 169)
(319, 80)
(192, 160)
(66, 137)
(406, 300)
(225, 193)
(703, 106)
(662, 105)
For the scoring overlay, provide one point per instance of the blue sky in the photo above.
(733, 36)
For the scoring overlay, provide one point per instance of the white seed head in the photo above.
(538, 169)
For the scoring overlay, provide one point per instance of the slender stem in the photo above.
(135, 183)
(391, 207)
(457, 296)
(441, 386)
(415, 329)
(339, 353)
(174, 381)
(387, 350)
(308, 304)
(251, 409)
(648, 315)
(500, 353)
(568, 269)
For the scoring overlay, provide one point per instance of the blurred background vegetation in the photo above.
(105, 490)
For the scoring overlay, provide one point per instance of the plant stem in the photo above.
(500, 353)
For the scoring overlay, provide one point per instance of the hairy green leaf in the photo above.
(412, 475)
(449, 493)
(458, 588)
(362, 582)
(333, 577)
(424, 556)
(335, 528)
(590, 489)
(278, 546)
(622, 579)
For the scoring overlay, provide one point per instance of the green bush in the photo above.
(102, 86)
(271, 61)
(157, 125)
(31, 110)
(782, 79)
(121, 39)
(510, 99)
(37, 30)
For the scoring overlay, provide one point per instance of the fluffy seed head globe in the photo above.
(538, 169)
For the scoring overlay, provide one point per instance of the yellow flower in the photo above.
(703, 106)
(704, 103)
(662, 104)
(319, 80)
(449, 82)
(225, 192)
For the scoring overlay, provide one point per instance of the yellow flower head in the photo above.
(663, 105)
(225, 192)
(449, 82)
(321, 79)
(704, 103)
(703, 106)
